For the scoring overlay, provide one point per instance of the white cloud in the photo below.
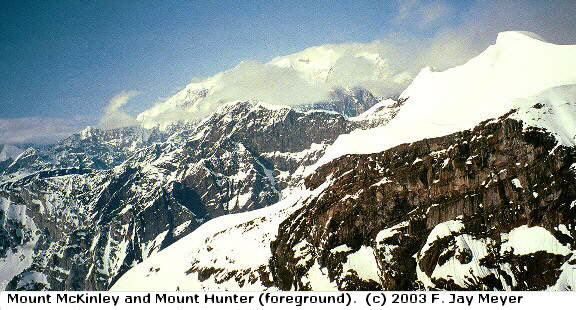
(386, 66)
(253, 80)
(114, 117)
(46, 130)
(301, 78)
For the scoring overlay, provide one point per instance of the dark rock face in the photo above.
(91, 225)
(432, 210)
(12, 234)
(349, 102)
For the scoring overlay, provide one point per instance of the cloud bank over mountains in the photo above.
(385, 66)
(419, 36)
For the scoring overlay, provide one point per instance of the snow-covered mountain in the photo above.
(92, 148)
(7, 155)
(318, 74)
(517, 68)
(472, 185)
(70, 224)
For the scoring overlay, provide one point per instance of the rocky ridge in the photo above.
(469, 186)
(87, 225)
(451, 212)
(445, 213)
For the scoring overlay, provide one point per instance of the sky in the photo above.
(66, 64)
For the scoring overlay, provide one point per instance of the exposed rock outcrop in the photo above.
(442, 213)
(93, 224)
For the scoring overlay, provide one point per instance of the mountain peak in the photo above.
(501, 78)
(515, 36)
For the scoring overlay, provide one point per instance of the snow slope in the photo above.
(505, 76)
(12, 262)
(520, 241)
(246, 237)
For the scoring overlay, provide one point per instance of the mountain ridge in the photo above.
(450, 205)
(87, 226)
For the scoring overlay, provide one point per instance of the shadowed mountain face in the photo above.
(490, 208)
(471, 186)
(462, 212)
(127, 194)
(458, 212)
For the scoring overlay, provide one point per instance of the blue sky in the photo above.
(65, 59)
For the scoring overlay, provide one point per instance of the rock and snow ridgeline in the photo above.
(94, 223)
(472, 232)
(507, 75)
